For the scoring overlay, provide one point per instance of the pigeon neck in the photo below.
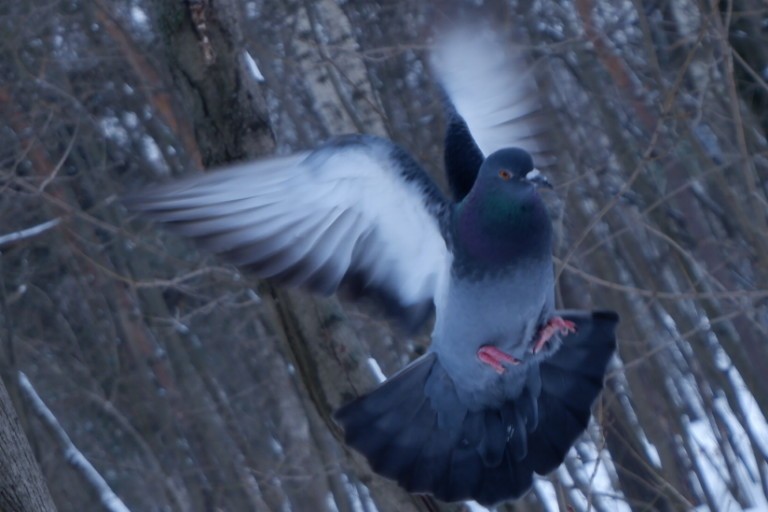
(498, 228)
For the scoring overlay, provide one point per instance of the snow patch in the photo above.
(252, 67)
(359, 496)
(376, 369)
(139, 17)
(113, 129)
(546, 493)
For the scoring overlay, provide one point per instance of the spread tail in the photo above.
(414, 429)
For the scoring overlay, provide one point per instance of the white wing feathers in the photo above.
(351, 211)
(491, 87)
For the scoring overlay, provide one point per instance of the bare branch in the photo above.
(109, 500)
(23, 234)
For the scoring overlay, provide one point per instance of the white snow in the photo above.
(130, 119)
(28, 232)
(113, 129)
(361, 499)
(376, 369)
(253, 68)
(252, 10)
(153, 154)
(598, 474)
(755, 419)
(709, 460)
(151, 151)
(139, 17)
(546, 493)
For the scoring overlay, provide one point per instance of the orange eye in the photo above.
(505, 175)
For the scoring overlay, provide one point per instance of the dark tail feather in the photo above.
(414, 429)
(571, 378)
(378, 419)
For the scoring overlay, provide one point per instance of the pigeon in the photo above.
(507, 384)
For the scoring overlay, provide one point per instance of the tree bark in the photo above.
(22, 486)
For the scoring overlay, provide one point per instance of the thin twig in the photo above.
(28, 232)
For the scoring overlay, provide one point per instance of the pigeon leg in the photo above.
(493, 357)
(554, 325)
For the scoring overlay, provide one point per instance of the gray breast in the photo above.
(502, 310)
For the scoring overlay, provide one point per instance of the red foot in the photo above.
(493, 357)
(554, 325)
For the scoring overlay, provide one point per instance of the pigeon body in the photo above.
(501, 288)
(507, 384)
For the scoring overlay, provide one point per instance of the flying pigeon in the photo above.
(507, 384)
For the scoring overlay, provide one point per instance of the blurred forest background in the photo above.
(190, 387)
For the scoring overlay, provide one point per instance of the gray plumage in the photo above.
(483, 410)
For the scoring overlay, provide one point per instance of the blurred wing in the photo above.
(494, 98)
(358, 210)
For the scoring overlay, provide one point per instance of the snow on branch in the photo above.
(73, 456)
(28, 233)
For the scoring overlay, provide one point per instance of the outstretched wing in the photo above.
(358, 210)
(494, 102)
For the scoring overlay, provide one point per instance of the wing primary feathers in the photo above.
(357, 211)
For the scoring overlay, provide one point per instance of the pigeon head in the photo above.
(514, 166)
(503, 218)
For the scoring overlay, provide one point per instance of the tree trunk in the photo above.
(22, 486)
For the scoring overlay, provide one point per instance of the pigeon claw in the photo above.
(493, 357)
(555, 324)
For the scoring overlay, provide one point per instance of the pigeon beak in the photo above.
(538, 179)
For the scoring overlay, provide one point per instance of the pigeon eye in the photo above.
(505, 175)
